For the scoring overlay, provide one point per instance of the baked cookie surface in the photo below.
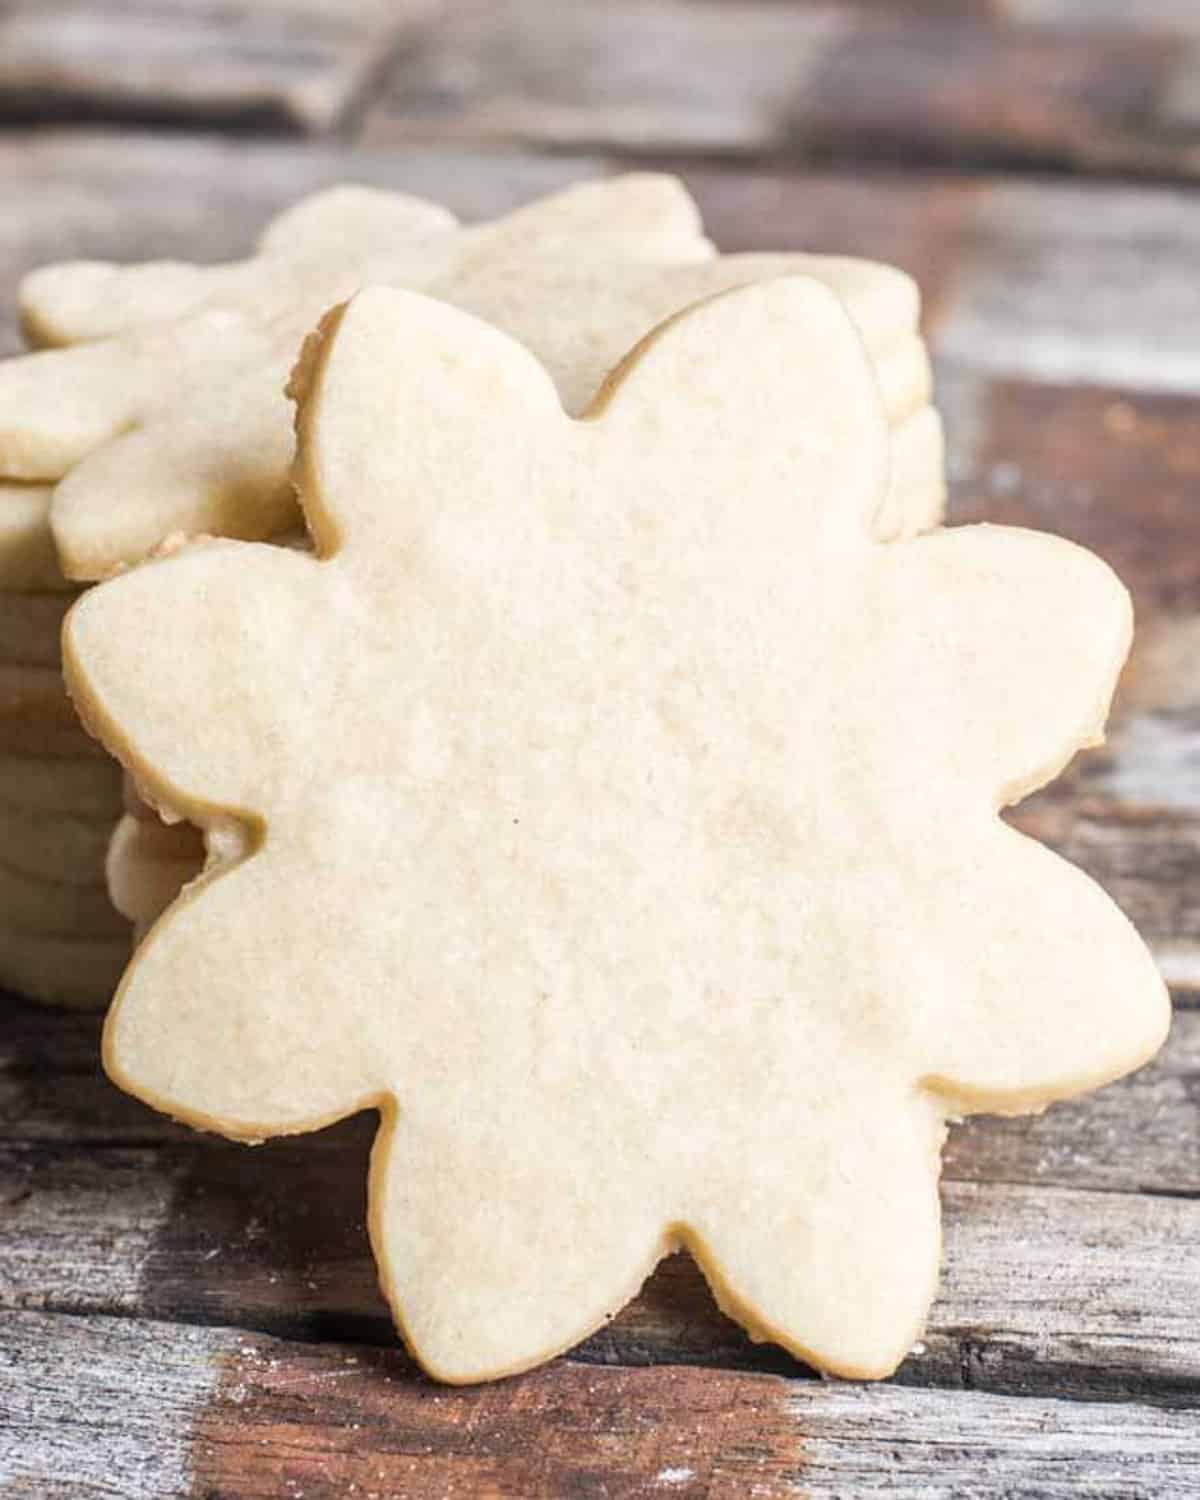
(623, 826)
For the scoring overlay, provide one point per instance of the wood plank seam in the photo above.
(774, 1363)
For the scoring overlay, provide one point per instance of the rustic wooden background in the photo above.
(180, 1317)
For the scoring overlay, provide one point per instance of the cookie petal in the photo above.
(227, 1053)
(883, 301)
(917, 489)
(1013, 638)
(348, 221)
(81, 301)
(832, 1253)
(817, 464)
(192, 670)
(379, 458)
(1029, 982)
(215, 464)
(486, 1278)
(58, 405)
(638, 213)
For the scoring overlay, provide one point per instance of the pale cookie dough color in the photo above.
(167, 414)
(626, 831)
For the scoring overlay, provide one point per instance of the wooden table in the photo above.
(182, 1317)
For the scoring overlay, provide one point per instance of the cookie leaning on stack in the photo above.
(626, 833)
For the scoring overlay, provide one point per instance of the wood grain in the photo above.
(633, 76)
(152, 1411)
(969, 86)
(1086, 15)
(1045, 1288)
(272, 64)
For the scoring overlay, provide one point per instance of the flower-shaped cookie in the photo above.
(169, 415)
(623, 826)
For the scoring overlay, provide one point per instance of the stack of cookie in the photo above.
(59, 795)
(159, 412)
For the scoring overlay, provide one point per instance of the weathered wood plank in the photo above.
(953, 90)
(282, 64)
(1077, 284)
(102, 1407)
(633, 75)
(969, 86)
(1142, 1134)
(1084, 15)
(1044, 1288)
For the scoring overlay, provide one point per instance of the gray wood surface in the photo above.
(1052, 1289)
(266, 64)
(1049, 84)
(143, 1409)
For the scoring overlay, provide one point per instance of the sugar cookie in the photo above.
(578, 278)
(143, 875)
(198, 325)
(916, 498)
(592, 840)
(645, 215)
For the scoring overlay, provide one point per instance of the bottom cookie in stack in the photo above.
(149, 863)
(61, 940)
